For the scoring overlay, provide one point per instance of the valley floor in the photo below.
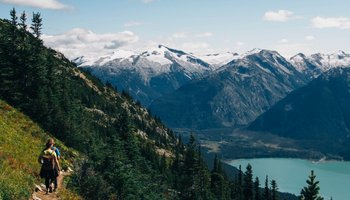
(236, 144)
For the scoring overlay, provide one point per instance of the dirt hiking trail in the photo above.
(40, 191)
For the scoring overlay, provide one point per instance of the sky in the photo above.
(96, 27)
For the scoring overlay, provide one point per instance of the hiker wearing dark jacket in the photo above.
(58, 155)
(50, 166)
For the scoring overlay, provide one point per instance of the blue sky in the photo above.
(93, 27)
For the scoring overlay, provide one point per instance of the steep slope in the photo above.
(122, 141)
(21, 141)
(149, 75)
(317, 112)
(232, 96)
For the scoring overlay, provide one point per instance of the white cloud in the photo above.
(331, 22)
(179, 35)
(133, 23)
(205, 34)
(310, 38)
(284, 40)
(46, 4)
(78, 42)
(279, 16)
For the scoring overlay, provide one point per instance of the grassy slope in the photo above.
(21, 141)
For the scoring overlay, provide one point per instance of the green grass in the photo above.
(21, 141)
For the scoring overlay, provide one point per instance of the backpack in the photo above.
(48, 162)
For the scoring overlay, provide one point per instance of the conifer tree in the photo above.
(13, 17)
(24, 71)
(190, 183)
(274, 190)
(23, 21)
(36, 25)
(311, 191)
(248, 183)
(240, 184)
(266, 194)
(13, 59)
(218, 183)
(257, 195)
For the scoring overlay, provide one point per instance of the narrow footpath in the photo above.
(40, 190)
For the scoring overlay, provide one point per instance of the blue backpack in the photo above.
(56, 151)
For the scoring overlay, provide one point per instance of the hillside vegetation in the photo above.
(21, 141)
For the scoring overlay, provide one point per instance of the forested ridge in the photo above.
(126, 153)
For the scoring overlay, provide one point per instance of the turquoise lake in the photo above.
(291, 175)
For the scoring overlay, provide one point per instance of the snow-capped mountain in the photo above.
(148, 75)
(232, 96)
(219, 59)
(214, 90)
(318, 63)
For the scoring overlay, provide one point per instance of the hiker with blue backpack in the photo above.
(50, 167)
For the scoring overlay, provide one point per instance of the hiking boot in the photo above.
(54, 190)
(50, 189)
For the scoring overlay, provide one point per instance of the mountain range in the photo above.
(153, 73)
(210, 91)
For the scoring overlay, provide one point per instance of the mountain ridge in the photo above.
(318, 113)
(232, 96)
(162, 70)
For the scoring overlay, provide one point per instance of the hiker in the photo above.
(58, 154)
(50, 166)
(57, 151)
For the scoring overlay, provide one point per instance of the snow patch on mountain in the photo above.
(219, 59)
(102, 60)
(320, 62)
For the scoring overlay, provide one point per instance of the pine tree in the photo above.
(13, 17)
(248, 183)
(24, 72)
(218, 183)
(311, 191)
(274, 190)
(23, 21)
(257, 195)
(190, 182)
(266, 194)
(204, 178)
(36, 25)
(239, 184)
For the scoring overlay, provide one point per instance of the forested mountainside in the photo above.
(318, 114)
(124, 144)
(125, 152)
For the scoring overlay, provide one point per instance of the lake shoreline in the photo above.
(291, 174)
(313, 160)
